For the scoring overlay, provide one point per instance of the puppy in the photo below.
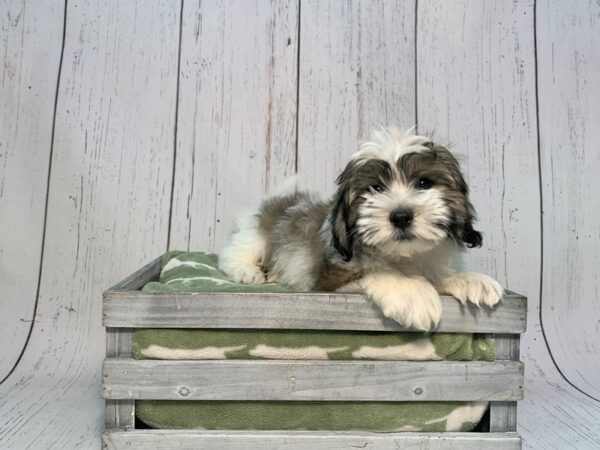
(400, 215)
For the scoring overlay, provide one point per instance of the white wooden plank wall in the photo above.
(30, 54)
(170, 116)
(108, 209)
(237, 113)
(569, 54)
(357, 72)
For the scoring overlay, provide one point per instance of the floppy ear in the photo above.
(464, 211)
(341, 222)
(340, 226)
(471, 238)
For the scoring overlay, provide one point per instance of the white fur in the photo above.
(242, 257)
(390, 144)
(288, 186)
(300, 259)
(410, 301)
(428, 207)
(474, 287)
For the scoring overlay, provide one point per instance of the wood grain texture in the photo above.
(356, 73)
(237, 114)
(476, 89)
(312, 380)
(569, 126)
(120, 414)
(107, 211)
(503, 415)
(307, 440)
(321, 311)
(138, 279)
(30, 44)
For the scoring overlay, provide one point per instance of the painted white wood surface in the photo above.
(306, 440)
(110, 184)
(29, 56)
(313, 311)
(357, 72)
(108, 211)
(476, 89)
(126, 378)
(569, 122)
(476, 92)
(237, 114)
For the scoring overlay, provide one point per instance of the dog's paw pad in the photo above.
(249, 275)
(474, 287)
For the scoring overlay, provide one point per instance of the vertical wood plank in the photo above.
(108, 210)
(30, 44)
(120, 414)
(569, 101)
(503, 415)
(237, 114)
(356, 73)
(507, 346)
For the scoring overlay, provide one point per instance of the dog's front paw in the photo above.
(248, 275)
(418, 307)
(412, 302)
(474, 287)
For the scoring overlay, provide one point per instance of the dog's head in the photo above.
(401, 194)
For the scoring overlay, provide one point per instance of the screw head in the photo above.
(184, 391)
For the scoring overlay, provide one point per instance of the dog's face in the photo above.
(401, 195)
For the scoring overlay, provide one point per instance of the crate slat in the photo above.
(119, 413)
(503, 415)
(304, 440)
(312, 380)
(316, 311)
(140, 277)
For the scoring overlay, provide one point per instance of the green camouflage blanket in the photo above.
(199, 272)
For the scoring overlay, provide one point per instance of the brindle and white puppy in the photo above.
(399, 216)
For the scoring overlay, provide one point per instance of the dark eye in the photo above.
(377, 188)
(424, 183)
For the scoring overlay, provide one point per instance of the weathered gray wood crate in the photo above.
(125, 380)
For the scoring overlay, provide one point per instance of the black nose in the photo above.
(401, 218)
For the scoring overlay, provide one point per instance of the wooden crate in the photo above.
(125, 380)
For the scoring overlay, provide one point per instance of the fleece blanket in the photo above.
(338, 416)
(199, 272)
